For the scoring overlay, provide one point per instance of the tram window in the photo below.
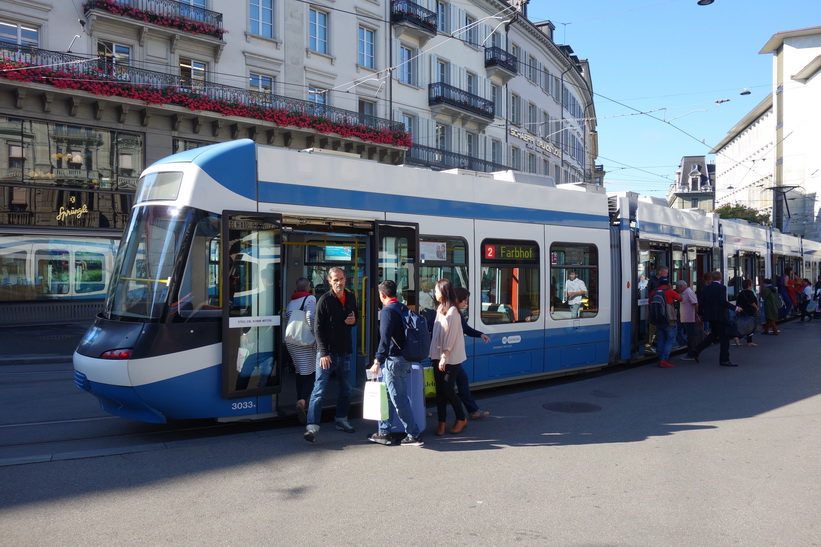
(198, 291)
(574, 267)
(510, 291)
(53, 271)
(89, 272)
(442, 257)
(320, 256)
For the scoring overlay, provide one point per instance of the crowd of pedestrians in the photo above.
(696, 319)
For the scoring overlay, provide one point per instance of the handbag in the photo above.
(375, 401)
(298, 331)
(741, 326)
(430, 383)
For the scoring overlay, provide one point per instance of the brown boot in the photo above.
(441, 429)
(458, 426)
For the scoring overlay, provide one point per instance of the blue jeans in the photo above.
(665, 336)
(395, 373)
(341, 364)
(574, 310)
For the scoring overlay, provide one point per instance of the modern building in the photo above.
(770, 159)
(93, 91)
(695, 185)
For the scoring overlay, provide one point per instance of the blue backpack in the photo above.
(417, 336)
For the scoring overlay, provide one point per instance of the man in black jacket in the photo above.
(715, 308)
(336, 314)
(397, 369)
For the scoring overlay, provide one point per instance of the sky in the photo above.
(677, 62)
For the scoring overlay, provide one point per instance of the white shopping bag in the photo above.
(375, 401)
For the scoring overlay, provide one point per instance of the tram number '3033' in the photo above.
(243, 405)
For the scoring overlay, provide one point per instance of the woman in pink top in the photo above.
(447, 352)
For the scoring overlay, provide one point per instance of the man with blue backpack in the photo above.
(663, 316)
(391, 352)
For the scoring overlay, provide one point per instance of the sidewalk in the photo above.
(32, 344)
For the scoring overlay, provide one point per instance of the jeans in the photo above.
(395, 373)
(341, 364)
(665, 336)
(463, 386)
(574, 310)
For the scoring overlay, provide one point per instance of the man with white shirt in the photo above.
(574, 289)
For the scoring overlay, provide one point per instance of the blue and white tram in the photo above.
(218, 236)
(744, 253)
(168, 343)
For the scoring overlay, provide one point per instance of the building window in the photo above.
(516, 158)
(22, 35)
(366, 48)
(574, 267)
(443, 17)
(193, 72)
(531, 163)
(410, 123)
(496, 97)
(441, 137)
(694, 203)
(367, 108)
(318, 96)
(470, 144)
(471, 32)
(318, 31)
(407, 65)
(472, 83)
(496, 151)
(260, 83)
(114, 59)
(442, 72)
(262, 18)
(532, 118)
(532, 69)
(515, 109)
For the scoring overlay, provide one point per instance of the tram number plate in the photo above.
(243, 405)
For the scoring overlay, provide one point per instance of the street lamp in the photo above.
(704, 2)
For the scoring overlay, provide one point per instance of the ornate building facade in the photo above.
(93, 91)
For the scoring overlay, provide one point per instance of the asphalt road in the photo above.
(695, 455)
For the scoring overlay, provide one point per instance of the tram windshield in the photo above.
(147, 261)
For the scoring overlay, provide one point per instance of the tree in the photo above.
(743, 212)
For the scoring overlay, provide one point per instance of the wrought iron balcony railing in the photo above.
(441, 93)
(405, 10)
(91, 74)
(168, 13)
(442, 159)
(496, 56)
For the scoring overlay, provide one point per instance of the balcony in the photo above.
(174, 19)
(412, 20)
(449, 103)
(500, 63)
(158, 90)
(442, 159)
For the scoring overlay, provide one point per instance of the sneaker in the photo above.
(342, 424)
(666, 364)
(688, 358)
(310, 433)
(381, 438)
(479, 414)
(412, 441)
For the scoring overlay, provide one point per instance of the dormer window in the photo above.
(695, 177)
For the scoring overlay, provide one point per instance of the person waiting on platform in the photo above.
(462, 382)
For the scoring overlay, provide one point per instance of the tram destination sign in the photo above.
(516, 252)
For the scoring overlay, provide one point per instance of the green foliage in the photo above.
(743, 212)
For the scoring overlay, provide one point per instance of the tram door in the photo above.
(396, 259)
(251, 332)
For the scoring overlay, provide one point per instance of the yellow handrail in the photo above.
(362, 316)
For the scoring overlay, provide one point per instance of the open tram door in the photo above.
(396, 259)
(251, 332)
